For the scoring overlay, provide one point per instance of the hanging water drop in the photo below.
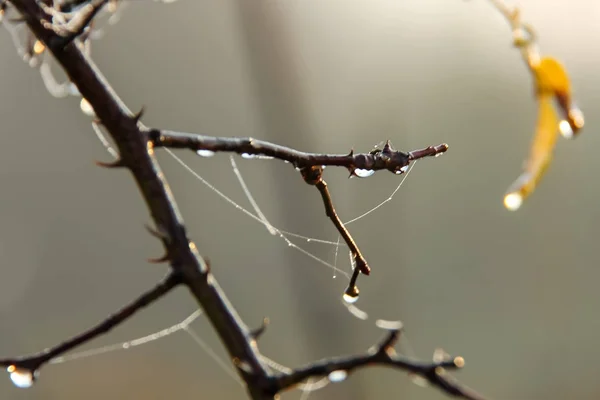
(565, 129)
(248, 156)
(337, 376)
(351, 295)
(87, 108)
(22, 378)
(401, 170)
(512, 201)
(363, 173)
(205, 153)
(350, 299)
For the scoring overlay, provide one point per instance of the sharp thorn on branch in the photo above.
(138, 116)
(257, 333)
(114, 164)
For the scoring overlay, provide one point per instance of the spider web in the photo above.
(278, 234)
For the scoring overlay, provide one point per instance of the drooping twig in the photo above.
(35, 362)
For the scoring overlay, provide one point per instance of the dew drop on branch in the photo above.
(205, 153)
(337, 376)
(363, 173)
(248, 156)
(402, 170)
(87, 108)
(21, 378)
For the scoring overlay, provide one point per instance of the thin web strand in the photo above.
(250, 198)
(208, 350)
(130, 343)
(254, 217)
(391, 196)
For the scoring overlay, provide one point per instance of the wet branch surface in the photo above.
(136, 145)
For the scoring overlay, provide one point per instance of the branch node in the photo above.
(312, 175)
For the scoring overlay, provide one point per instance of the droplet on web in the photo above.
(21, 378)
(363, 173)
(337, 376)
(512, 201)
(205, 153)
(87, 108)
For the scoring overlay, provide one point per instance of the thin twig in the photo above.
(383, 355)
(36, 361)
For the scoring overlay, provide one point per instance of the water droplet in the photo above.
(440, 355)
(350, 299)
(87, 108)
(248, 156)
(512, 201)
(439, 154)
(22, 378)
(38, 47)
(363, 173)
(565, 129)
(34, 62)
(205, 153)
(357, 312)
(290, 244)
(418, 380)
(389, 325)
(125, 345)
(337, 376)
(309, 240)
(401, 170)
(351, 295)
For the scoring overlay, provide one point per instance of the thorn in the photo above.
(387, 146)
(115, 164)
(351, 154)
(139, 115)
(160, 260)
(156, 233)
(257, 333)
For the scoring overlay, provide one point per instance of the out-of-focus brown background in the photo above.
(516, 294)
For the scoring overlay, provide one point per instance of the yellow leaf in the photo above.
(539, 156)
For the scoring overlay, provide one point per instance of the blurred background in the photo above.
(515, 294)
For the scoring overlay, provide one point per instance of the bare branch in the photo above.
(379, 159)
(337, 369)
